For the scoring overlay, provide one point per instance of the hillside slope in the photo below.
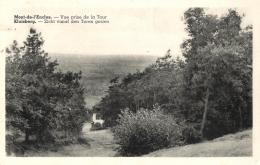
(102, 144)
(238, 144)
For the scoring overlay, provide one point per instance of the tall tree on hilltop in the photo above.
(38, 98)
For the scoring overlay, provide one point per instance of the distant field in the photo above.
(99, 70)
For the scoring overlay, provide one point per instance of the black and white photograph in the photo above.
(127, 82)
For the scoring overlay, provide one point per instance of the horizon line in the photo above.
(115, 54)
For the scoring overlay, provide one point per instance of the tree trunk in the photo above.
(240, 107)
(154, 97)
(136, 106)
(240, 118)
(27, 136)
(205, 112)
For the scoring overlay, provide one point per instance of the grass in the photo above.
(100, 144)
(231, 145)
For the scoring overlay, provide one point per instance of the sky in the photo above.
(138, 31)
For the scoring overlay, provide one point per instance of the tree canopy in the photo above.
(40, 100)
(210, 89)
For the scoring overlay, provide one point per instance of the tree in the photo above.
(210, 91)
(157, 84)
(39, 100)
(215, 68)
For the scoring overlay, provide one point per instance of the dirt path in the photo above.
(101, 144)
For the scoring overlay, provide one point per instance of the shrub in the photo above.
(145, 131)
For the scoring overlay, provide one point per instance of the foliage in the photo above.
(210, 89)
(143, 89)
(41, 101)
(217, 74)
(145, 131)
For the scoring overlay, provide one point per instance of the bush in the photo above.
(145, 131)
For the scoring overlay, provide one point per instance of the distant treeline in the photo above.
(210, 89)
